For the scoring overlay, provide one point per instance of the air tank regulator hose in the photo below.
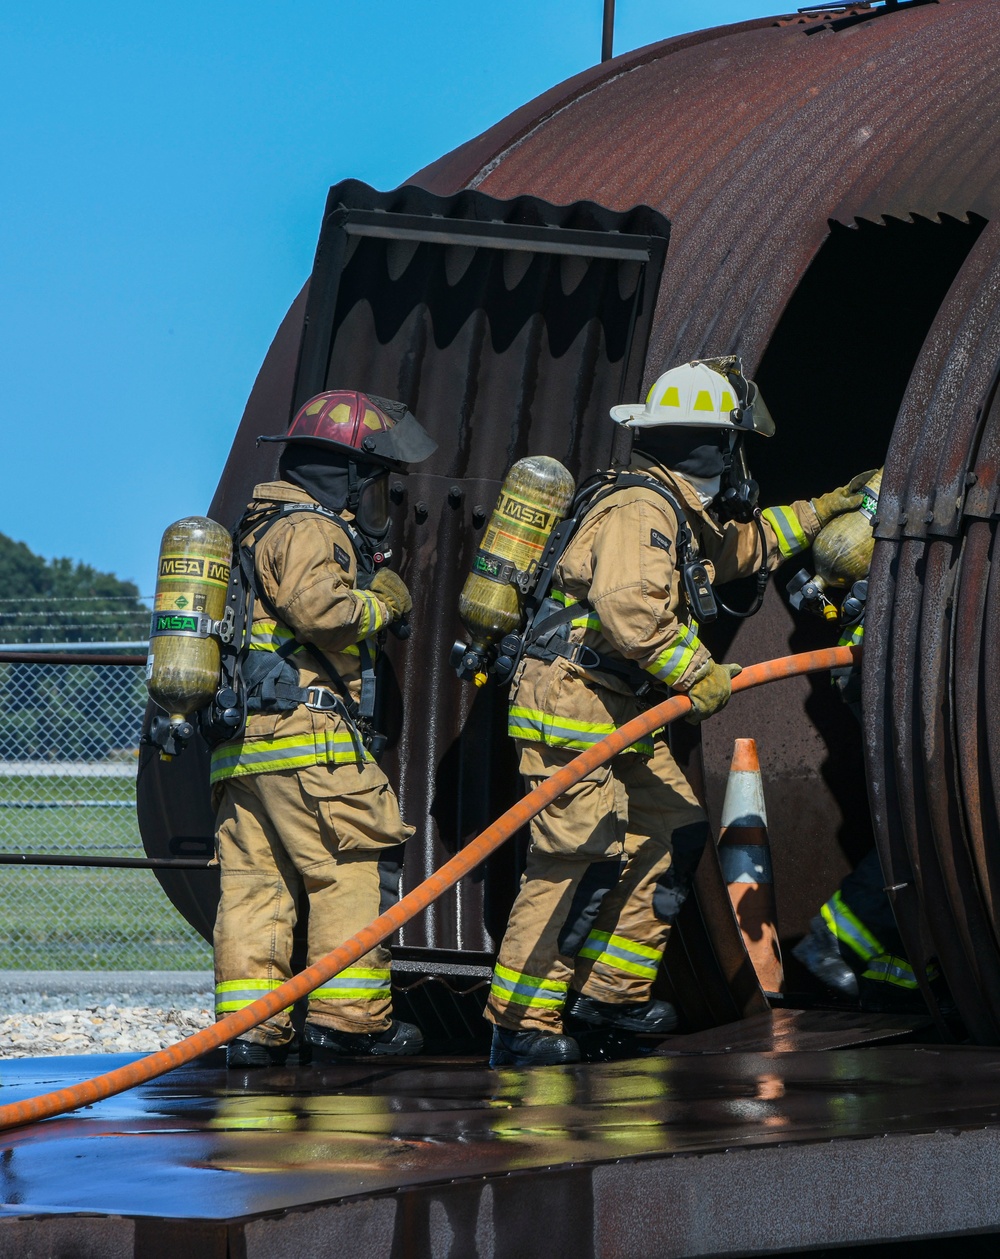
(762, 575)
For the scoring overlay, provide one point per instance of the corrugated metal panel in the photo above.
(931, 751)
(509, 328)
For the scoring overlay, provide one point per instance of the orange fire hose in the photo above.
(464, 862)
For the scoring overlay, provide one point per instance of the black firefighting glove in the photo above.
(846, 498)
(391, 589)
(710, 691)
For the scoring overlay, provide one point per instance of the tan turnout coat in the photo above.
(623, 564)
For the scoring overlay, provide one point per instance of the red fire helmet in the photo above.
(377, 430)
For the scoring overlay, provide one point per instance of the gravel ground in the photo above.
(49, 1012)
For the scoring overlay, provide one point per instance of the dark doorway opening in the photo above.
(838, 364)
(834, 376)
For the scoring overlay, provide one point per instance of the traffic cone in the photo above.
(745, 857)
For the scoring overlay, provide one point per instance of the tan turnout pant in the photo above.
(331, 832)
(609, 866)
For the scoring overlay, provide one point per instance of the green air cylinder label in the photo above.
(176, 623)
(493, 567)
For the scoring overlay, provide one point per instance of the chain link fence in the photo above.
(69, 739)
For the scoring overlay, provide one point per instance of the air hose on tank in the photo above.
(149, 1068)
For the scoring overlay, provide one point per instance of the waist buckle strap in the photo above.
(321, 699)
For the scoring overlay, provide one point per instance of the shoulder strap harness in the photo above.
(271, 684)
(545, 634)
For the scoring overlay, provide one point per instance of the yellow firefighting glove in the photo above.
(846, 498)
(391, 589)
(711, 689)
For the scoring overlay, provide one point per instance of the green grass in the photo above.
(52, 787)
(71, 918)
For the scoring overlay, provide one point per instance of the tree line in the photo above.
(66, 712)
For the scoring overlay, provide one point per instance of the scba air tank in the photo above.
(182, 669)
(843, 549)
(534, 498)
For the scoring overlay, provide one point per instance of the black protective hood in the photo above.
(322, 473)
(698, 452)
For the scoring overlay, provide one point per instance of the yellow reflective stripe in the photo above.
(622, 954)
(598, 728)
(372, 616)
(235, 985)
(294, 751)
(268, 635)
(587, 620)
(787, 530)
(849, 929)
(671, 664)
(237, 994)
(853, 636)
(534, 726)
(623, 942)
(532, 990)
(889, 969)
(350, 985)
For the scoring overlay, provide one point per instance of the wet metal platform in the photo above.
(729, 1149)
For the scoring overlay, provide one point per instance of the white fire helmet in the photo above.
(706, 393)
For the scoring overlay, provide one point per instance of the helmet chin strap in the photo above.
(353, 488)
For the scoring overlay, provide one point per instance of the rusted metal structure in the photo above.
(829, 180)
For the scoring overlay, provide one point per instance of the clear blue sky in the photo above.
(164, 170)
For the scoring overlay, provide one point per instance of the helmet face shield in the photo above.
(372, 512)
(404, 443)
(760, 417)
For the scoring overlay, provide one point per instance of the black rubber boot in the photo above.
(656, 1017)
(399, 1040)
(242, 1053)
(819, 953)
(531, 1048)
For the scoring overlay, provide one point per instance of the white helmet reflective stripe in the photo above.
(699, 396)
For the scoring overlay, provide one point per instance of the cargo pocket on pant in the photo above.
(587, 820)
(357, 808)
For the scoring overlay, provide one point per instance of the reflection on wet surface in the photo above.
(212, 1144)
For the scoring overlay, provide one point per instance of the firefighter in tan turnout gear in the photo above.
(302, 806)
(611, 860)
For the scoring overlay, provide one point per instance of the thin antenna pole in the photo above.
(608, 38)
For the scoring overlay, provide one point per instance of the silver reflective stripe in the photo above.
(849, 929)
(891, 970)
(551, 728)
(353, 981)
(610, 953)
(749, 863)
(508, 983)
(244, 995)
(789, 532)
